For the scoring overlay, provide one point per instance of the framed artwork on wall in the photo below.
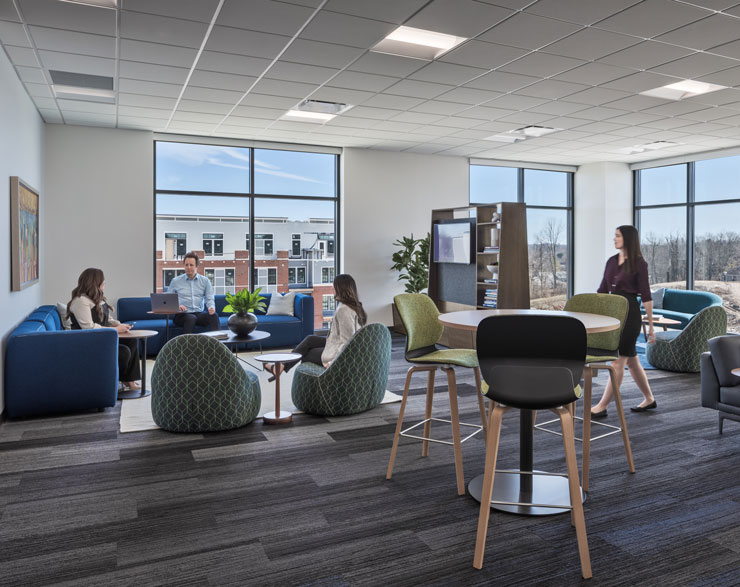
(24, 234)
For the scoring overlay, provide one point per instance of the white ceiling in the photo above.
(231, 68)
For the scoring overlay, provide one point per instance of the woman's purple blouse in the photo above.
(615, 279)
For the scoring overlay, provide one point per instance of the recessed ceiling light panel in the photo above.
(520, 134)
(316, 111)
(654, 146)
(84, 94)
(684, 89)
(417, 43)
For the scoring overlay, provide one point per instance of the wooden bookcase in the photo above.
(500, 240)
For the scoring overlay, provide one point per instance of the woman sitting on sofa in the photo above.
(88, 309)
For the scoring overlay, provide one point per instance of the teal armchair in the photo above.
(354, 382)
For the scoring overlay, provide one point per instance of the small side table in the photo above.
(278, 360)
(233, 341)
(658, 320)
(166, 314)
(138, 335)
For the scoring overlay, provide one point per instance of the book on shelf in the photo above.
(489, 305)
(490, 281)
(491, 249)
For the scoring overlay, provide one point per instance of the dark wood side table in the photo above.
(166, 314)
(141, 335)
(232, 340)
(277, 360)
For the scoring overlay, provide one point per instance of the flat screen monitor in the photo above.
(453, 241)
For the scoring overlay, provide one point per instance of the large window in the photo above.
(203, 198)
(548, 196)
(689, 232)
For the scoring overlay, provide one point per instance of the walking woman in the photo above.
(626, 274)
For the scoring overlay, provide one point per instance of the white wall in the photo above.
(100, 205)
(21, 154)
(603, 201)
(388, 195)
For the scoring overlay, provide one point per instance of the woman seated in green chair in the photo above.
(349, 317)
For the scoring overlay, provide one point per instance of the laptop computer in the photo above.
(165, 302)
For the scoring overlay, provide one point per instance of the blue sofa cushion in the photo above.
(689, 301)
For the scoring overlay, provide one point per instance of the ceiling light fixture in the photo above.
(316, 111)
(113, 4)
(417, 43)
(84, 94)
(520, 134)
(684, 89)
(654, 146)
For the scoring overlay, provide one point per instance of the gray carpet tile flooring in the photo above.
(308, 504)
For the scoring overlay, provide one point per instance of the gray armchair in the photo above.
(720, 389)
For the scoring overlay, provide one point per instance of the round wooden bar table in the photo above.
(525, 488)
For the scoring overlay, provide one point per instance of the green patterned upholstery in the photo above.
(680, 350)
(602, 346)
(420, 318)
(199, 386)
(354, 382)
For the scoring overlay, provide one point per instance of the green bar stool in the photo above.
(420, 318)
(602, 348)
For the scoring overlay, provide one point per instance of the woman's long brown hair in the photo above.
(88, 285)
(632, 252)
(345, 291)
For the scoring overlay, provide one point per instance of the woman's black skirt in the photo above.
(632, 326)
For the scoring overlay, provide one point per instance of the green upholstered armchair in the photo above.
(199, 386)
(354, 382)
(680, 350)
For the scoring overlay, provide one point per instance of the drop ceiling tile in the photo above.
(646, 55)
(342, 95)
(34, 75)
(323, 54)
(39, 90)
(197, 117)
(589, 43)
(375, 113)
(263, 101)
(363, 81)
(707, 128)
(281, 88)
(51, 116)
(73, 17)
(579, 11)
(137, 112)
(447, 73)
(639, 82)
(201, 10)
(157, 53)
(78, 63)
(696, 65)
(294, 72)
(189, 127)
(242, 42)
(601, 113)
(153, 73)
(387, 101)
(395, 11)
(8, 11)
(709, 32)
(464, 151)
(463, 18)
(417, 89)
(254, 112)
(221, 81)
(48, 103)
(73, 42)
(540, 64)
(668, 123)
(469, 96)
(344, 29)
(652, 17)
(559, 108)
(131, 86)
(382, 64)
(472, 134)
(13, 33)
(597, 96)
(440, 107)
(417, 118)
(635, 118)
(460, 122)
(675, 108)
(515, 102)
(89, 118)
(84, 106)
(487, 114)
(728, 98)
(500, 81)
(394, 126)
(551, 89)
(230, 63)
(523, 118)
(594, 74)
(160, 29)
(715, 114)
(568, 122)
(137, 123)
(725, 5)
(246, 122)
(427, 148)
(636, 103)
(349, 121)
(528, 31)
(265, 16)
(728, 50)
(205, 107)
(482, 54)
(144, 101)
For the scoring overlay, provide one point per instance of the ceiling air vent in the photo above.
(82, 86)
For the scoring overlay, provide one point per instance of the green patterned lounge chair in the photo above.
(354, 382)
(420, 318)
(680, 350)
(199, 386)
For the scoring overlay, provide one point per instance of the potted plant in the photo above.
(411, 260)
(242, 305)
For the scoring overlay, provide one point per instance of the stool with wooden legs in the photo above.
(602, 348)
(420, 319)
(532, 362)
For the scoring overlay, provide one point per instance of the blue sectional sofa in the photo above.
(50, 370)
(683, 305)
(284, 331)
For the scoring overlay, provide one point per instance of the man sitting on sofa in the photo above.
(195, 295)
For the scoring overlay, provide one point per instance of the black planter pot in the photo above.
(242, 324)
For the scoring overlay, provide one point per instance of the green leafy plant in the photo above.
(244, 302)
(412, 262)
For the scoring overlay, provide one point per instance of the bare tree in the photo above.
(549, 239)
(650, 246)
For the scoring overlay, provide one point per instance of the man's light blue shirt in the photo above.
(191, 293)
